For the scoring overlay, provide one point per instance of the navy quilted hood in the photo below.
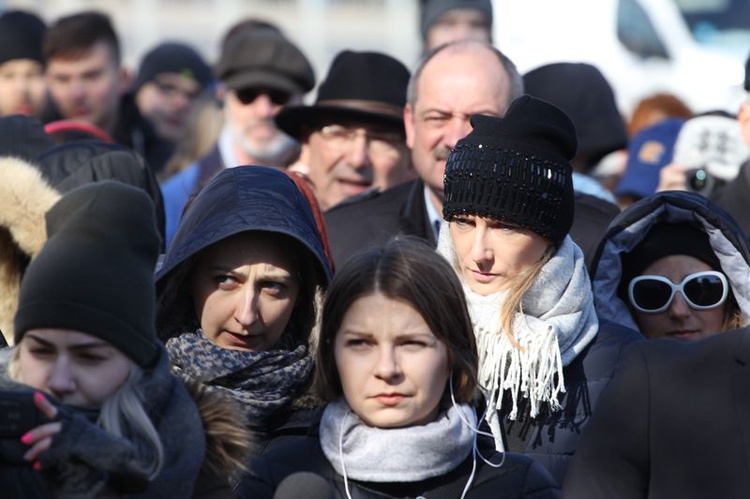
(246, 198)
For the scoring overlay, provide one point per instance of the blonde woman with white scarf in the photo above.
(544, 356)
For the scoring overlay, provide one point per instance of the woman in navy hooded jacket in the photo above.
(238, 294)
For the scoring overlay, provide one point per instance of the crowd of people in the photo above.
(451, 280)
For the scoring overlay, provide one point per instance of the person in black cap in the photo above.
(353, 136)
(508, 208)
(170, 78)
(673, 265)
(22, 86)
(259, 72)
(443, 21)
(110, 418)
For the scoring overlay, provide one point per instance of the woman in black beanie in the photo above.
(544, 356)
(112, 419)
(664, 241)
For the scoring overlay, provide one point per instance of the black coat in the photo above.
(554, 438)
(68, 165)
(519, 477)
(375, 217)
(674, 423)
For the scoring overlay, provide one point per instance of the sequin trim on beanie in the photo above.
(515, 169)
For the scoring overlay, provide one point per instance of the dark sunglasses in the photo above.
(248, 95)
(653, 294)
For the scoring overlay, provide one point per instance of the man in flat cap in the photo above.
(259, 72)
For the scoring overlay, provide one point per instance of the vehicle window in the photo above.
(635, 31)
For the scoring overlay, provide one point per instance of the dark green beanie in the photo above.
(95, 272)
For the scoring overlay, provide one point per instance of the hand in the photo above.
(40, 438)
(673, 177)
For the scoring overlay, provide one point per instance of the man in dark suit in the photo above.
(673, 422)
(451, 83)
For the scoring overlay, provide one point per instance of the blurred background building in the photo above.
(320, 27)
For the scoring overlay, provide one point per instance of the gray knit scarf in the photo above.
(408, 454)
(558, 321)
(263, 382)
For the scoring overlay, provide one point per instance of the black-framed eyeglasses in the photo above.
(653, 294)
(380, 142)
(248, 95)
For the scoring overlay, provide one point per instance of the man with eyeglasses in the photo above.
(170, 78)
(353, 139)
(448, 85)
(259, 72)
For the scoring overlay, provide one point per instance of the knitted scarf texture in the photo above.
(558, 321)
(409, 454)
(263, 382)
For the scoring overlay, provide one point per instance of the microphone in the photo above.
(304, 485)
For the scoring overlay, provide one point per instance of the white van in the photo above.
(695, 49)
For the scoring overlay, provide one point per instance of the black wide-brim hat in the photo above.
(367, 87)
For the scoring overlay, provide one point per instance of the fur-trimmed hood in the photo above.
(228, 441)
(24, 199)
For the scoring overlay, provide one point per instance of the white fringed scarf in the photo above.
(558, 321)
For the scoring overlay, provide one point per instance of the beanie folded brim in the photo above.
(68, 315)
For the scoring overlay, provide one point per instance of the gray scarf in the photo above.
(263, 382)
(409, 454)
(557, 322)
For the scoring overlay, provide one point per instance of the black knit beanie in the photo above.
(95, 272)
(515, 169)
(666, 239)
(173, 57)
(21, 36)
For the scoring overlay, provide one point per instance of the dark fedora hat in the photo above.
(368, 87)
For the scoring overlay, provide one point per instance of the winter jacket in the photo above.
(518, 477)
(674, 423)
(71, 164)
(629, 228)
(85, 460)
